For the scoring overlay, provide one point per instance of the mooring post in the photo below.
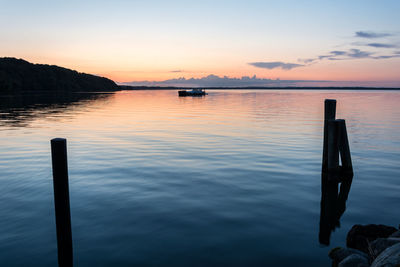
(333, 202)
(330, 114)
(61, 201)
(333, 148)
(344, 148)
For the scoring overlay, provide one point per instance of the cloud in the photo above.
(381, 45)
(216, 81)
(348, 55)
(175, 71)
(385, 57)
(395, 55)
(276, 64)
(371, 35)
(332, 55)
(381, 51)
(306, 60)
(341, 55)
(324, 56)
(357, 53)
(338, 53)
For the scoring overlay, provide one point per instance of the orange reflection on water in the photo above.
(277, 115)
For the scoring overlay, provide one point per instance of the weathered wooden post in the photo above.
(330, 113)
(333, 203)
(333, 148)
(344, 148)
(61, 201)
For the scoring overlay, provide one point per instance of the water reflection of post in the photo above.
(333, 200)
(333, 205)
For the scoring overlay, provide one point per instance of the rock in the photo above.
(354, 260)
(360, 235)
(388, 258)
(395, 234)
(339, 254)
(381, 244)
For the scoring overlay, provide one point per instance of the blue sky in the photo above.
(159, 40)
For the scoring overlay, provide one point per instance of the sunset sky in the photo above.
(356, 42)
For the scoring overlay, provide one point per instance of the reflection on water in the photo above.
(230, 179)
(19, 110)
(333, 204)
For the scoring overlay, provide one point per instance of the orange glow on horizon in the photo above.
(361, 70)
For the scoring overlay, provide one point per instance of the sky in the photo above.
(324, 42)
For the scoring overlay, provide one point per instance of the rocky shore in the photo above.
(369, 245)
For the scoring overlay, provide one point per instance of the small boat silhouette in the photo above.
(193, 92)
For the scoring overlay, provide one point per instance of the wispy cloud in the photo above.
(176, 71)
(307, 60)
(276, 64)
(381, 45)
(347, 54)
(371, 35)
(357, 53)
(338, 53)
(354, 54)
(385, 57)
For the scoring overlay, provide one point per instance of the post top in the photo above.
(330, 100)
(58, 140)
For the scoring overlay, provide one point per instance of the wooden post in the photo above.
(333, 148)
(347, 166)
(330, 113)
(333, 203)
(61, 201)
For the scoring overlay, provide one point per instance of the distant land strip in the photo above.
(129, 87)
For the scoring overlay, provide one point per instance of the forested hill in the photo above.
(18, 75)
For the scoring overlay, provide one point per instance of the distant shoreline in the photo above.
(128, 87)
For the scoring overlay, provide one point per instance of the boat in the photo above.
(193, 92)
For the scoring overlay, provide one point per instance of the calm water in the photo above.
(232, 178)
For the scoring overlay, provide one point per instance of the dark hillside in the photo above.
(17, 75)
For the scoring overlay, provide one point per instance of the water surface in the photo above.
(232, 178)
